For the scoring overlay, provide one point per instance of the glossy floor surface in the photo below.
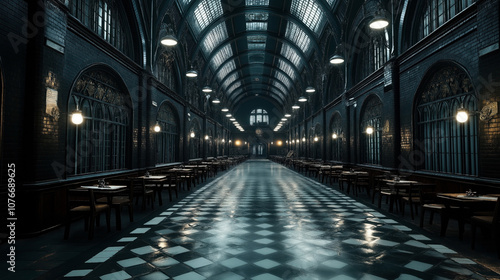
(261, 220)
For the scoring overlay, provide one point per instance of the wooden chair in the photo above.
(140, 190)
(118, 202)
(411, 196)
(428, 202)
(489, 222)
(362, 181)
(83, 203)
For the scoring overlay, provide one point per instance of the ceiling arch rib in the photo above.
(283, 90)
(283, 41)
(243, 88)
(267, 66)
(188, 7)
(246, 87)
(275, 12)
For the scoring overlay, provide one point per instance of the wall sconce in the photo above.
(369, 130)
(485, 114)
(462, 115)
(316, 139)
(77, 117)
(303, 139)
(192, 135)
(206, 137)
(335, 136)
(157, 127)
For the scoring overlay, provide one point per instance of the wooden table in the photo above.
(463, 207)
(158, 181)
(109, 191)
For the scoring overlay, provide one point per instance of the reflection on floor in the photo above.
(263, 221)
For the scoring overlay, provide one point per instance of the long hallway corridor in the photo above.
(263, 221)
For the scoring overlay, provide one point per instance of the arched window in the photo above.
(165, 70)
(100, 142)
(167, 138)
(194, 139)
(444, 144)
(373, 54)
(106, 19)
(336, 137)
(258, 117)
(210, 143)
(371, 134)
(437, 12)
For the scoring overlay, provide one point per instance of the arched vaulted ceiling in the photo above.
(257, 48)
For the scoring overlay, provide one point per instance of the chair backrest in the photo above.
(427, 193)
(496, 215)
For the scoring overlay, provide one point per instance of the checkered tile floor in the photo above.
(263, 221)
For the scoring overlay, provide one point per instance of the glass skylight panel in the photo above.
(330, 2)
(214, 38)
(229, 80)
(228, 68)
(310, 13)
(295, 34)
(224, 54)
(256, 2)
(277, 92)
(287, 68)
(256, 25)
(279, 86)
(205, 13)
(291, 55)
(233, 87)
(256, 46)
(185, 3)
(283, 79)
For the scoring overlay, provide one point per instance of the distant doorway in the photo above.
(259, 150)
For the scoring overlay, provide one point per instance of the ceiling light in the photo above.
(302, 99)
(216, 101)
(229, 115)
(288, 115)
(225, 109)
(310, 89)
(369, 130)
(295, 107)
(169, 40)
(207, 89)
(192, 73)
(378, 22)
(337, 59)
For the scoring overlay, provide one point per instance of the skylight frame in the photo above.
(290, 54)
(310, 13)
(205, 13)
(216, 36)
(295, 34)
(256, 2)
(221, 56)
(287, 68)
